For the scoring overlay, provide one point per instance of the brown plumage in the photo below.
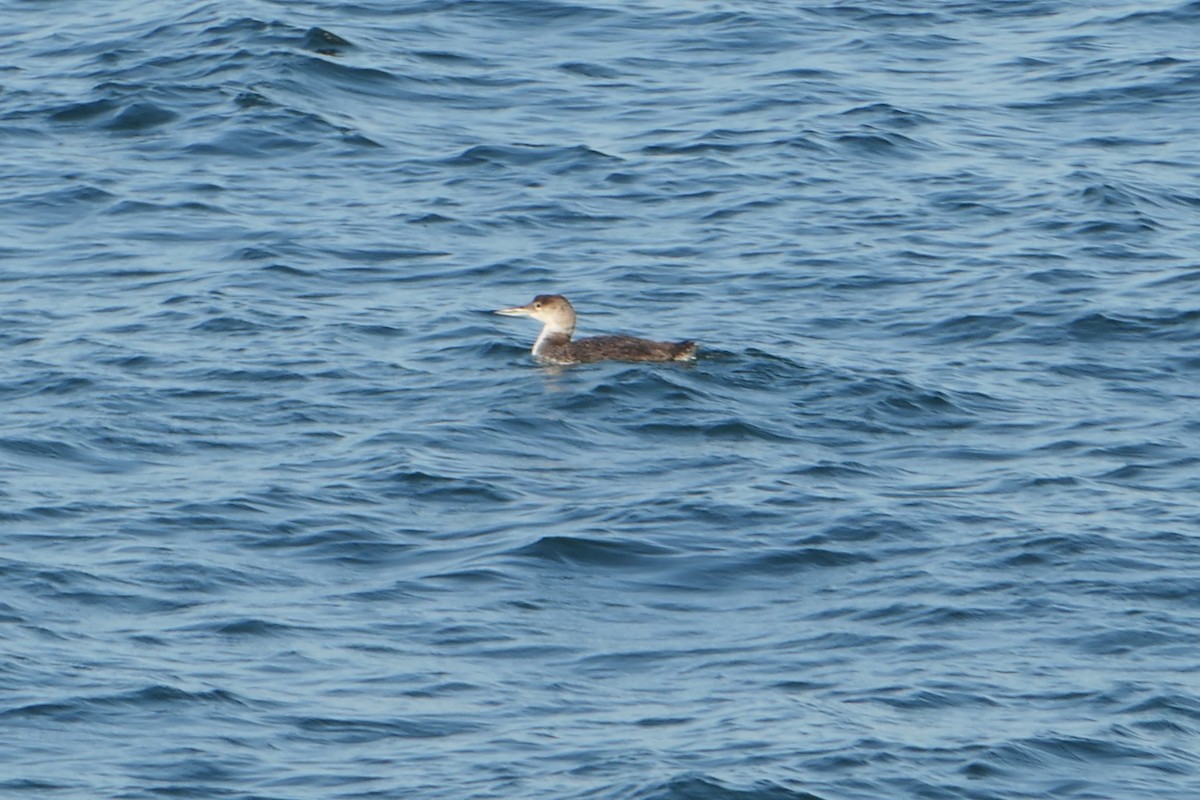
(554, 345)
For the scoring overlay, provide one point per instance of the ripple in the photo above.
(280, 500)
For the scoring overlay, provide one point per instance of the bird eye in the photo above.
(537, 305)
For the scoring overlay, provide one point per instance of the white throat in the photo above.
(549, 329)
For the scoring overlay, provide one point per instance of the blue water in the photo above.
(285, 514)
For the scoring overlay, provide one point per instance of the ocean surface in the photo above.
(286, 514)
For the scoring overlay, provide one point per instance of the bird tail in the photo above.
(684, 351)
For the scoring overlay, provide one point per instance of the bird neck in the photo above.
(552, 335)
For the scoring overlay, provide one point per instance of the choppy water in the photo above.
(286, 516)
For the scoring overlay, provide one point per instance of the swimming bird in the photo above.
(554, 345)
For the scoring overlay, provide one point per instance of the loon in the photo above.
(554, 345)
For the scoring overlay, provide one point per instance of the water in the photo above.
(285, 515)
